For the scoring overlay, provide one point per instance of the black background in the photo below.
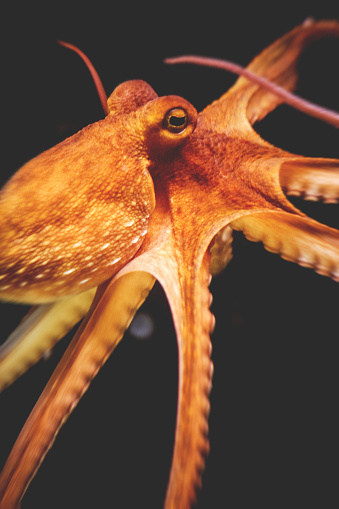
(274, 418)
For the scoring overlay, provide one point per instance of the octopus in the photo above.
(154, 191)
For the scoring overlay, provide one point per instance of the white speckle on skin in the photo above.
(39, 276)
(134, 241)
(83, 281)
(129, 223)
(68, 272)
(10, 265)
(4, 287)
(77, 244)
(105, 246)
(68, 228)
(116, 260)
(33, 260)
(20, 271)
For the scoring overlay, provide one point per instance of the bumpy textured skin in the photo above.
(86, 218)
(217, 174)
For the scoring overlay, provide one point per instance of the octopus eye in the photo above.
(176, 120)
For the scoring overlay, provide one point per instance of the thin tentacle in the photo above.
(96, 78)
(277, 64)
(308, 107)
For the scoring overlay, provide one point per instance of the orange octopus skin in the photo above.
(160, 189)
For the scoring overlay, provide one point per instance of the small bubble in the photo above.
(142, 326)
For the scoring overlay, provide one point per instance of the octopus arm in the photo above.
(278, 64)
(296, 238)
(38, 332)
(112, 310)
(315, 179)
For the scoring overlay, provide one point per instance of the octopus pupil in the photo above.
(177, 121)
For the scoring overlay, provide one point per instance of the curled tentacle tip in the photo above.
(170, 60)
(95, 76)
(63, 43)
